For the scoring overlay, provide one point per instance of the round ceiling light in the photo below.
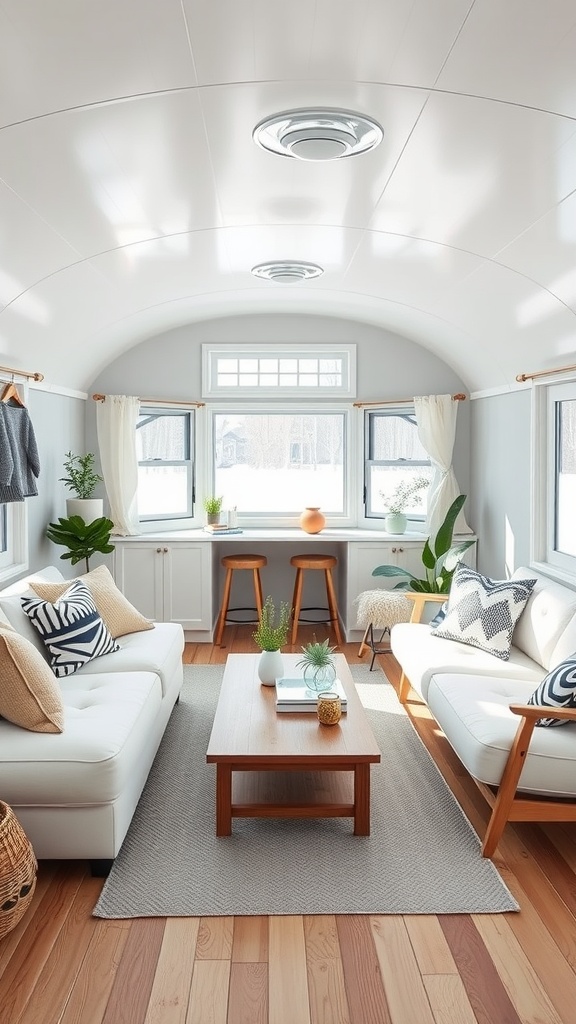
(287, 271)
(318, 134)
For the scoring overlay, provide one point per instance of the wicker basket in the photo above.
(18, 869)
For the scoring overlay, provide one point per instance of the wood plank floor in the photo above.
(62, 966)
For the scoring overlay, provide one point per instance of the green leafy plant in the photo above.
(81, 478)
(82, 539)
(213, 506)
(316, 654)
(439, 558)
(402, 495)
(271, 632)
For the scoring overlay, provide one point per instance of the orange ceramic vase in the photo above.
(312, 520)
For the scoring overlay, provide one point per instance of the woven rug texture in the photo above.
(422, 857)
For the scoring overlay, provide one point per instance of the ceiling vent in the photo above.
(287, 271)
(325, 133)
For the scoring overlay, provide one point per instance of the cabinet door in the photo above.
(363, 557)
(139, 573)
(188, 585)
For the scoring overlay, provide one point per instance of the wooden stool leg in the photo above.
(224, 607)
(332, 604)
(296, 602)
(364, 646)
(258, 592)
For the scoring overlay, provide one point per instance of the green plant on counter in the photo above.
(439, 558)
(401, 496)
(82, 539)
(81, 478)
(271, 632)
(213, 506)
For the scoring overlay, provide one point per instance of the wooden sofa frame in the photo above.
(505, 802)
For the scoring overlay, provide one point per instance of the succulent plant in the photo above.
(316, 654)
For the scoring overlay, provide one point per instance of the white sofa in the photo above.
(75, 792)
(525, 773)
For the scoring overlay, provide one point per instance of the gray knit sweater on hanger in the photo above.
(19, 462)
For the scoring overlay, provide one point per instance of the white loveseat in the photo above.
(75, 791)
(525, 773)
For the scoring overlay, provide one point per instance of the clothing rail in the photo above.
(22, 373)
(521, 377)
(156, 401)
(402, 401)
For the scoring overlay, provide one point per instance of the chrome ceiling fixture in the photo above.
(322, 133)
(287, 271)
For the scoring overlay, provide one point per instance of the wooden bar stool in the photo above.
(230, 563)
(327, 563)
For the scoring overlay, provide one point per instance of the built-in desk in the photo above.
(177, 575)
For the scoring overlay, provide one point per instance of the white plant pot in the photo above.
(396, 522)
(88, 508)
(270, 667)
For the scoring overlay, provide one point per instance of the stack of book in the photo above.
(294, 695)
(220, 528)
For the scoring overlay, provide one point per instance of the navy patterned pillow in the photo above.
(483, 612)
(557, 690)
(71, 628)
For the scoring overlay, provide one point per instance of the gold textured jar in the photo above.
(329, 708)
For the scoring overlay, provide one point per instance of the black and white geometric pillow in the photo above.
(71, 628)
(483, 612)
(557, 690)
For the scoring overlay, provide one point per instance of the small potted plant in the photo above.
(271, 634)
(82, 539)
(318, 665)
(82, 480)
(400, 499)
(213, 508)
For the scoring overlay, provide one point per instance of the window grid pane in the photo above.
(398, 470)
(271, 373)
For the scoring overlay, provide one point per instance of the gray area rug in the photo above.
(423, 856)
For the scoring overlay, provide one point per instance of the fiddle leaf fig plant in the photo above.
(439, 558)
(82, 539)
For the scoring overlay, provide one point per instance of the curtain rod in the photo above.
(156, 401)
(521, 377)
(403, 401)
(22, 373)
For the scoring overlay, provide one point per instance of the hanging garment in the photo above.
(19, 461)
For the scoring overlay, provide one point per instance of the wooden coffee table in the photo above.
(287, 765)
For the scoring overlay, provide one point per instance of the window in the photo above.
(394, 456)
(165, 469)
(242, 371)
(555, 478)
(275, 463)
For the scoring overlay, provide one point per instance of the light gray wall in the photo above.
(388, 366)
(500, 486)
(59, 426)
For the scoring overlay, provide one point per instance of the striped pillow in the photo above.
(557, 690)
(71, 628)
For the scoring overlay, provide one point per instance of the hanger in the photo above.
(11, 391)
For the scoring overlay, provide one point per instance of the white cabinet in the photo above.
(364, 557)
(167, 581)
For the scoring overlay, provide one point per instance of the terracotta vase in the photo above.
(312, 520)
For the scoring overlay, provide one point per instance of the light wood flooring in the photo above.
(62, 966)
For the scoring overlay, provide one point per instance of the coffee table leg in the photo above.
(223, 800)
(362, 800)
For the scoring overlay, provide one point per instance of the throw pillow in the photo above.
(71, 629)
(29, 694)
(115, 610)
(483, 612)
(557, 690)
(440, 616)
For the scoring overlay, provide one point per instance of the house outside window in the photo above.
(164, 446)
(394, 456)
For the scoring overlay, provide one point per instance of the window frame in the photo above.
(212, 390)
(150, 523)
(370, 416)
(544, 556)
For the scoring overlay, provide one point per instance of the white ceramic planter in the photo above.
(270, 667)
(88, 508)
(396, 522)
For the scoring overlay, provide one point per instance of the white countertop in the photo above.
(350, 534)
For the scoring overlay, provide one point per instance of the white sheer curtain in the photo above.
(436, 419)
(116, 421)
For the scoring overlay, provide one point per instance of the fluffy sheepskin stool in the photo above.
(380, 609)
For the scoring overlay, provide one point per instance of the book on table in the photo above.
(219, 531)
(292, 694)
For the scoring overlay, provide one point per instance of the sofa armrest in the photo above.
(420, 601)
(543, 711)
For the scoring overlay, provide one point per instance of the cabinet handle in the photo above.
(401, 549)
(393, 551)
(165, 551)
(158, 551)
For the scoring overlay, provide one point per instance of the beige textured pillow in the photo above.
(114, 609)
(29, 694)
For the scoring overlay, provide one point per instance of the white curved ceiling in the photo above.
(133, 198)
